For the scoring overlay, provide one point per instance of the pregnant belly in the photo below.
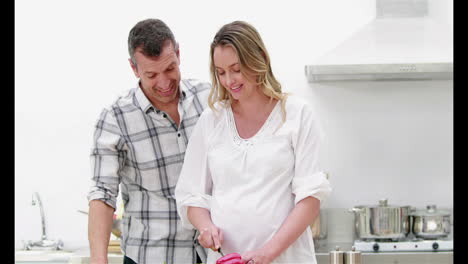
(247, 225)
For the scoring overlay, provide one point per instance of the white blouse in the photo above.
(251, 185)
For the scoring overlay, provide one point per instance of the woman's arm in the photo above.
(295, 224)
(210, 235)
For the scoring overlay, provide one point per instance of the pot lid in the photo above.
(431, 210)
(382, 203)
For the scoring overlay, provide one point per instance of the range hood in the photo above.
(401, 43)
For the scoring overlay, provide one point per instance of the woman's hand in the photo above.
(259, 256)
(211, 237)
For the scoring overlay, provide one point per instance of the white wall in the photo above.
(387, 140)
(384, 139)
(442, 11)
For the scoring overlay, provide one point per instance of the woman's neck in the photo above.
(252, 106)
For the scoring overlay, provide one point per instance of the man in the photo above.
(139, 147)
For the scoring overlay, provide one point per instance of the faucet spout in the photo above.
(37, 198)
(44, 243)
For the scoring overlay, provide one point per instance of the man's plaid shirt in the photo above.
(140, 150)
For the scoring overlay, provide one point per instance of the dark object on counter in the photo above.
(382, 221)
(431, 223)
(233, 258)
(375, 247)
(353, 256)
(336, 256)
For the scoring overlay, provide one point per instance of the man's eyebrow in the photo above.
(170, 65)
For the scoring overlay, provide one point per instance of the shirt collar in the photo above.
(145, 103)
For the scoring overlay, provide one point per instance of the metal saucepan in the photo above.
(431, 223)
(319, 226)
(382, 221)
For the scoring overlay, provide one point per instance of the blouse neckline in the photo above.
(232, 126)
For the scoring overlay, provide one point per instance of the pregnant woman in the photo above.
(250, 183)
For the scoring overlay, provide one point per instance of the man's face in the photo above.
(159, 76)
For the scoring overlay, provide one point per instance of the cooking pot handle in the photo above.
(355, 210)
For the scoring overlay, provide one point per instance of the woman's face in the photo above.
(227, 68)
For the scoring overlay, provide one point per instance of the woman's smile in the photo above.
(236, 89)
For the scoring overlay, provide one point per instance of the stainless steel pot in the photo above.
(382, 221)
(336, 256)
(431, 223)
(319, 226)
(319, 229)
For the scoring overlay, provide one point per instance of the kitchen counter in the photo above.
(76, 256)
(420, 257)
(81, 256)
(398, 258)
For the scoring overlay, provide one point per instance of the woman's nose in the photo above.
(229, 80)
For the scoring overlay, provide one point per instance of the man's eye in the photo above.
(170, 69)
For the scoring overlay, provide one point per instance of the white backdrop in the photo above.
(71, 60)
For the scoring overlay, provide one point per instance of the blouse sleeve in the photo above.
(308, 180)
(194, 185)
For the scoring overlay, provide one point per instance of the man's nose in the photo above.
(163, 81)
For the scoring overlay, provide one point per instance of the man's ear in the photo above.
(134, 68)
(177, 51)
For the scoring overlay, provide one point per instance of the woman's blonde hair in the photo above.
(253, 59)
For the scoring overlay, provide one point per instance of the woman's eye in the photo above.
(220, 73)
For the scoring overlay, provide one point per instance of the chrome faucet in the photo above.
(33, 202)
(44, 243)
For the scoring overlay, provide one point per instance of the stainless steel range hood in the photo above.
(401, 43)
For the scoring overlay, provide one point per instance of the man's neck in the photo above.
(166, 107)
(171, 108)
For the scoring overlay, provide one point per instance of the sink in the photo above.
(42, 255)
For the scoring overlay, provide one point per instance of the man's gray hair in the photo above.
(151, 35)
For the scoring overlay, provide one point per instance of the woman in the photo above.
(249, 182)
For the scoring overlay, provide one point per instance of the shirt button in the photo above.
(178, 134)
